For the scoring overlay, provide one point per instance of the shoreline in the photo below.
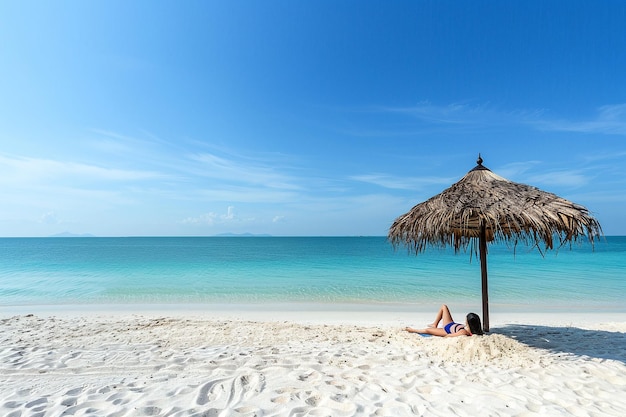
(390, 314)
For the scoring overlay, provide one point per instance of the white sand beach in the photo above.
(260, 363)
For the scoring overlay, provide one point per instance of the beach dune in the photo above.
(150, 365)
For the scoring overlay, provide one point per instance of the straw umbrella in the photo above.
(483, 207)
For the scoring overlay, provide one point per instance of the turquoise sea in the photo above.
(270, 270)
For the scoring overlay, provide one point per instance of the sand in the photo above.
(287, 364)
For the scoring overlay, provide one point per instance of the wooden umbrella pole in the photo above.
(483, 271)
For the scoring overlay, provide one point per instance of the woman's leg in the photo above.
(435, 331)
(443, 315)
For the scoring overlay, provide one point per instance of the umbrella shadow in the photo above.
(598, 344)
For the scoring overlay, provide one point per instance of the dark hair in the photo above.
(474, 324)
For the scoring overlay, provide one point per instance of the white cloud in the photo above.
(400, 183)
(206, 218)
(255, 172)
(524, 172)
(453, 113)
(560, 178)
(212, 218)
(230, 215)
(45, 170)
(49, 218)
(242, 194)
(464, 114)
(610, 120)
(516, 170)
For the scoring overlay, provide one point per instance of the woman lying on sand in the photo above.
(450, 328)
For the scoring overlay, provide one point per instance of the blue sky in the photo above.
(321, 117)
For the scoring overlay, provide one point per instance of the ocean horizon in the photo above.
(271, 270)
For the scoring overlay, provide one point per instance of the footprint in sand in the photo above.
(118, 399)
(253, 411)
(283, 399)
(148, 411)
(314, 400)
(11, 404)
(337, 384)
(35, 403)
(74, 392)
(69, 402)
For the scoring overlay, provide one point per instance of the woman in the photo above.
(450, 328)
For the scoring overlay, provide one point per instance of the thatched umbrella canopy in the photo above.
(485, 207)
